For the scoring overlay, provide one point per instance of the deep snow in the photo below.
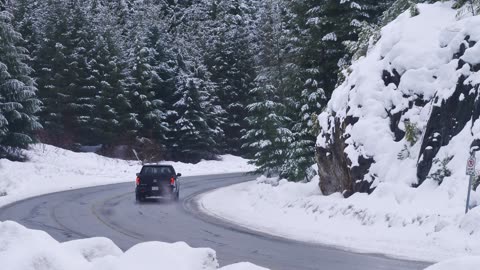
(24, 249)
(52, 169)
(425, 223)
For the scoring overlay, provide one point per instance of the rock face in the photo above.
(396, 115)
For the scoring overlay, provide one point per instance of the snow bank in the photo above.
(53, 169)
(420, 224)
(24, 249)
(463, 263)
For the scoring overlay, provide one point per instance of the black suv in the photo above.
(157, 181)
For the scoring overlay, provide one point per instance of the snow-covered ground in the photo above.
(52, 169)
(420, 224)
(425, 223)
(24, 249)
(462, 263)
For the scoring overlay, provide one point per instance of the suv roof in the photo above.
(156, 165)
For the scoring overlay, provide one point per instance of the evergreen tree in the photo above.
(50, 68)
(230, 60)
(194, 138)
(18, 102)
(152, 85)
(269, 135)
(80, 83)
(66, 85)
(25, 18)
(467, 7)
(112, 105)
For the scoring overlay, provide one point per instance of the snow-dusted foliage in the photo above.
(18, 102)
(405, 113)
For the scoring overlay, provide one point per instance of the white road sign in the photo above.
(471, 166)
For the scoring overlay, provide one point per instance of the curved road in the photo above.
(111, 211)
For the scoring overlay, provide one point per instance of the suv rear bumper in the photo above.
(146, 191)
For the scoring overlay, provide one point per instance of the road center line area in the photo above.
(111, 211)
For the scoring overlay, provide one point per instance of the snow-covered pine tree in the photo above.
(65, 84)
(193, 137)
(25, 19)
(368, 16)
(467, 7)
(230, 60)
(187, 23)
(18, 102)
(268, 136)
(49, 67)
(109, 71)
(80, 109)
(163, 82)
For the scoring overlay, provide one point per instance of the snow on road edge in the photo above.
(53, 169)
(22, 248)
(376, 224)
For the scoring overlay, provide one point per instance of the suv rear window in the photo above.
(156, 170)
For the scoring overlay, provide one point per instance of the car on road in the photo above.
(157, 181)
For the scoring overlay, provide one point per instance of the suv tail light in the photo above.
(172, 181)
(137, 181)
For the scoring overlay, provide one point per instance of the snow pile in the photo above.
(24, 249)
(462, 263)
(53, 169)
(418, 224)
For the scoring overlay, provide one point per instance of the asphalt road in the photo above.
(111, 211)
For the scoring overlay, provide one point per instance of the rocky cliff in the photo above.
(407, 111)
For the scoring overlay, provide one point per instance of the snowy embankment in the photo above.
(425, 223)
(418, 224)
(21, 249)
(52, 169)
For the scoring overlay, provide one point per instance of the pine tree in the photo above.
(194, 138)
(467, 7)
(230, 60)
(112, 106)
(269, 135)
(18, 102)
(25, 19)
(80, 82)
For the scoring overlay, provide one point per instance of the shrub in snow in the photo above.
(442, 169)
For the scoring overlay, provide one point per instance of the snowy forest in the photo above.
(181, 79)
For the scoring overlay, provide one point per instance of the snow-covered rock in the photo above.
(408, 112)
(24, 249)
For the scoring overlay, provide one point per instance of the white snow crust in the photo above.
(24, 249)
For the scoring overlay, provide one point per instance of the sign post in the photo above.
(471, 162)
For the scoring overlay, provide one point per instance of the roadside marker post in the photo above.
(471, 162)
